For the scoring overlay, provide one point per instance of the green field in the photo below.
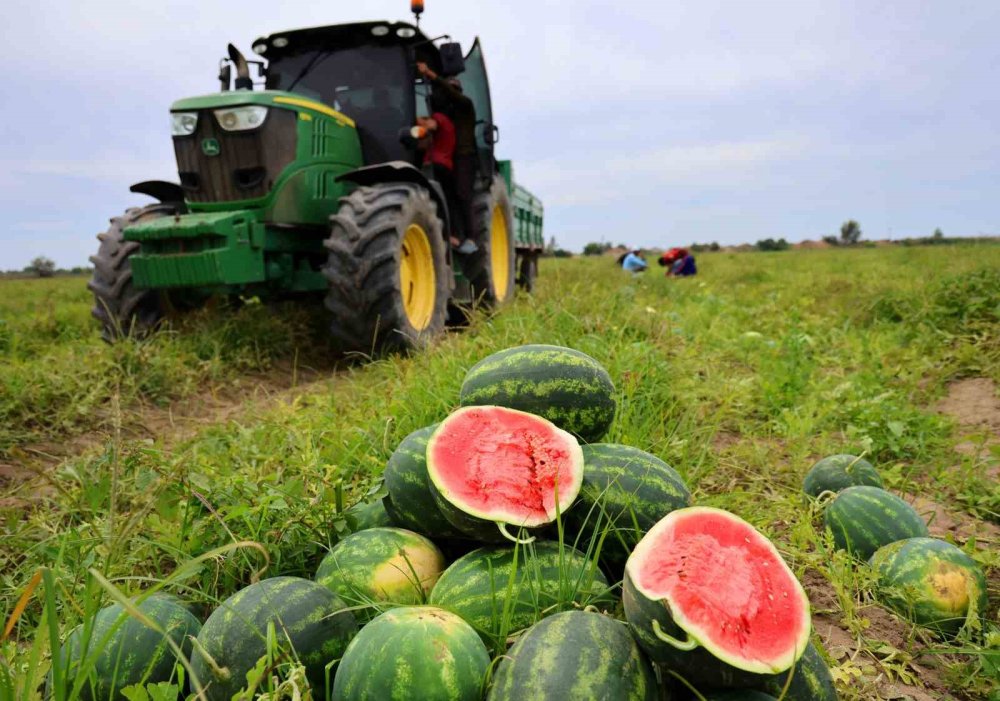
(739, 378)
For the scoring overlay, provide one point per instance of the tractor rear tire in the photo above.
(528, 270)
(387, 269)
(123, 309)
(491, 268)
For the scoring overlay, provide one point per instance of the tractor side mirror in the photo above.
(225, 76)
(491, 133)
(452, 61)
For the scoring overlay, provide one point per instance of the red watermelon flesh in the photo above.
(726, 585)
(505, 465)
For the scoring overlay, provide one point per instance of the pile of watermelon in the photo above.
(928, 581)
(516, 556)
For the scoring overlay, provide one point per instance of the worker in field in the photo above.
(439, 149)
(463, 115)
(678, 262)
(634, 262)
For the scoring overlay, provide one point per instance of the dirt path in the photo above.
(974, 405)
(23, 474)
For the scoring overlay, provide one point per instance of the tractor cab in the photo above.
(367, 72)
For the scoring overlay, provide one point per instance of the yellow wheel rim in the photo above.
(417, 277)
(499, 254)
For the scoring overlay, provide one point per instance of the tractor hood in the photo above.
(267, 98)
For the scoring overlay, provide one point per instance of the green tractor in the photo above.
(305, 181)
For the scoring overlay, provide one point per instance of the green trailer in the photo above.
(302, 179)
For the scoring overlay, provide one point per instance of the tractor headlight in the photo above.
(183, 123)
(241, 118)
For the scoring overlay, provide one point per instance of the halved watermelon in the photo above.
(708, 576)
(492, 464)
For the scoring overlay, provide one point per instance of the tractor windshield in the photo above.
(373, 85)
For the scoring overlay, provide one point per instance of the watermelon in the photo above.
(410, 502)
(413, 652)
(704, 584)
(567, 387)
(367, 514)
(862, 519)
(520, 584)
(490, 466)
(575, 655)
(739, 695)
(930, 582)
(625, 492)
(120, 650)
(837, 472)
(306, 616)
(811, 680)
(381, 565)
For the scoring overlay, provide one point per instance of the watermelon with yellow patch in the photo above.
(382, 565)
(930, 582)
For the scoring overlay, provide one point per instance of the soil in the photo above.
(974, 405)
(884, 632)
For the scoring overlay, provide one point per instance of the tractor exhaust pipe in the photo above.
(243, 81)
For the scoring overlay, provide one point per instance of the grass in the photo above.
(739, 378)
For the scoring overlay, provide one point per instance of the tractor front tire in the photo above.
(123, 309)
(491, 268)
(389, 279)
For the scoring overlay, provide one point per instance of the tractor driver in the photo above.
(463, 115)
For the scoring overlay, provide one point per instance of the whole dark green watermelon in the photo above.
(127, 651)
(410, 502)
(565, 386)
(413, 652)
(837, 472)
(575, 655)
(625, 492)
(499, 592)
(306, 616)
(863, 519)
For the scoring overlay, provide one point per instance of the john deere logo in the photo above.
(210, 147)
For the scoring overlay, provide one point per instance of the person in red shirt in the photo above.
(439, 151)
(679, 262)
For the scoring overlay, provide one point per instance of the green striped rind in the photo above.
(381, 565)
(838, 472)
(306, 616)
(625, 492)
(567, 387)
(368, 514)
(811, 681)
(413, 652)
(575, 655)
(410, 502)
(863, 519)
(499, 592)
(930, 582)
(127, 652)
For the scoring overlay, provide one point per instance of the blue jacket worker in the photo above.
(634, 262)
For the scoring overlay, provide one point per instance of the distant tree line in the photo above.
(42, 266)
(552, 250)
(772, 245)
(850, 234)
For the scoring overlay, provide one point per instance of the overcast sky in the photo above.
(650, 123)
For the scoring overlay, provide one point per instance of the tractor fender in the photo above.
(401, 172)
(159, 190)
